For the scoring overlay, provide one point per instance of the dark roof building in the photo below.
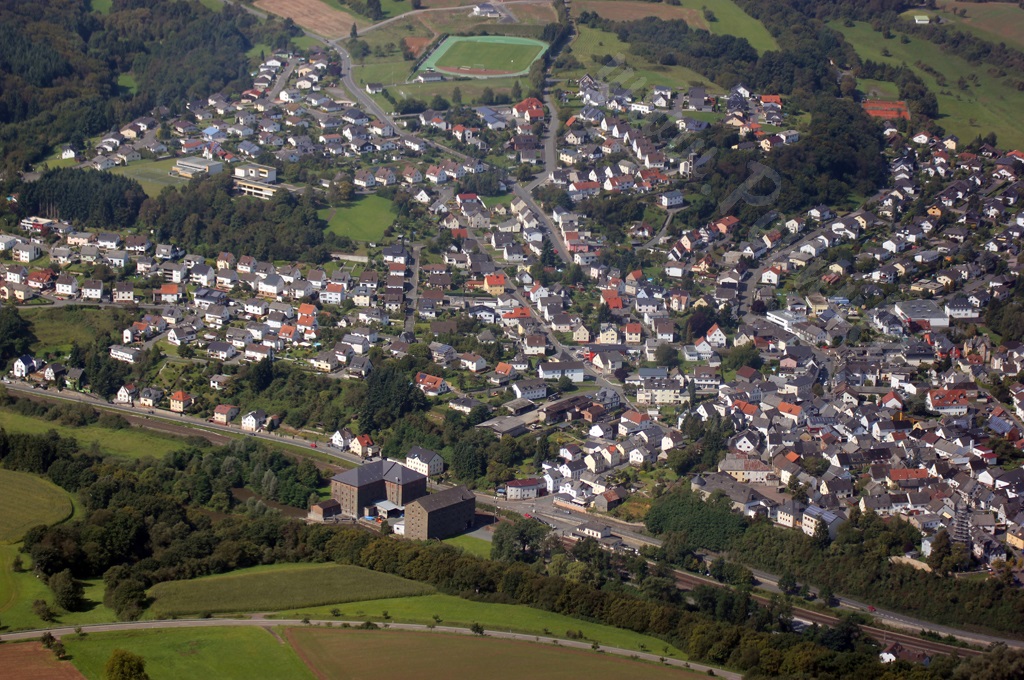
(440, 515)
(360, 489)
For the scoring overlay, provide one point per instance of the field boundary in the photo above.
(430, 62)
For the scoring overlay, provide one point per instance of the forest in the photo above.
(60, 62)
(94, 199)
(855, 564)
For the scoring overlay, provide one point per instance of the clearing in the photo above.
(129, 442)
(729, 18)
(56, 328)
(472, 545)
(484, 56)
(32, 661)
(152, 175)
(994, 21)
(176, 653)
(351, 654)
(985, 104)
(313, 15)
(281, 586)
(26, 501)
(364, 219)
(517, 618)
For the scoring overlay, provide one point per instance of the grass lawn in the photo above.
(19, 590)
(878, 89)
(56, 328)
(26, 501)
(133, 442)
(259, 48)
(989, 105)
(305, 42)
(364, 219)
(102, 6)
(222, 653)
(127, 83)
(488, 52)
(152, 175)
(455, 611)
(279, 586)
(637, 73)
(472, 545)
(994, 21)
(215, 5)
(347, 655)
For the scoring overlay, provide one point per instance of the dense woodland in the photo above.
(93, 199)
(59, 65)
(856, 563)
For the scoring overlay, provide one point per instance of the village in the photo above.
(840, 350)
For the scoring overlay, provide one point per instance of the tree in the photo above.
(67, 592)
(15, 334)
(517, 91)
(457, 96)
(518, 541)
(666, 355)
(787, 583)
(564, 384)
(124, 665)
(43, 611)
(353, 32)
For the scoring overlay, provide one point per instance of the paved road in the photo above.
(410, 319)
(270, 623)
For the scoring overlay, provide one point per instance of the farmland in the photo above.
(994, 21)
(346, 655)
(282, 586)
(222, 653)
(26, 501)
(729, 18)
(152, 175)
(364, 219)
(987, 104)
(313, 15)
(32, 661)
(132, 442)
(455, 611)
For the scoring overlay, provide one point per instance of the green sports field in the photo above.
(279, 586)
(485, 56)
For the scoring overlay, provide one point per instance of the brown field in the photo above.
(313, 15)
(416, 44)
(32, 661)
(352, 655)
(623, 10)
(534, 13)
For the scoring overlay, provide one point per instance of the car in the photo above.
(313, 445)
(527, 515)
(871, 609)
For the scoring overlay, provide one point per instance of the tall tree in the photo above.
(124, 665)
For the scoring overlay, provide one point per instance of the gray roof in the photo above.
(422, 454)
(376, 471)
(443, 499)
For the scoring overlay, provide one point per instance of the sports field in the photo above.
(279, 586)
(364, 219)
(485, 56)
(179, 653)
(26, 501)
(348, 655)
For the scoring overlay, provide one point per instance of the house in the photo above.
(223, 414)
(181, 401)
(254, 421)
(431, 385)
(424, 461)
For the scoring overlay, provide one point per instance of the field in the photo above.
(313, 15)
(988, 105)
(364, 219)
(126, 81)
(56, 328)
(222, 653)
(18, 590)
(133, 442)
(152, 175)
(347, 655)
(455, 611)
(637, 74)
(878, 89)
(472, 545)
(485, 56)
(994, 21)
(275, 587)
(729, 18)
(27, 500)
(32, 661)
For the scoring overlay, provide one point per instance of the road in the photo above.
(271, 623)
(410, 319)
(184, 420)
